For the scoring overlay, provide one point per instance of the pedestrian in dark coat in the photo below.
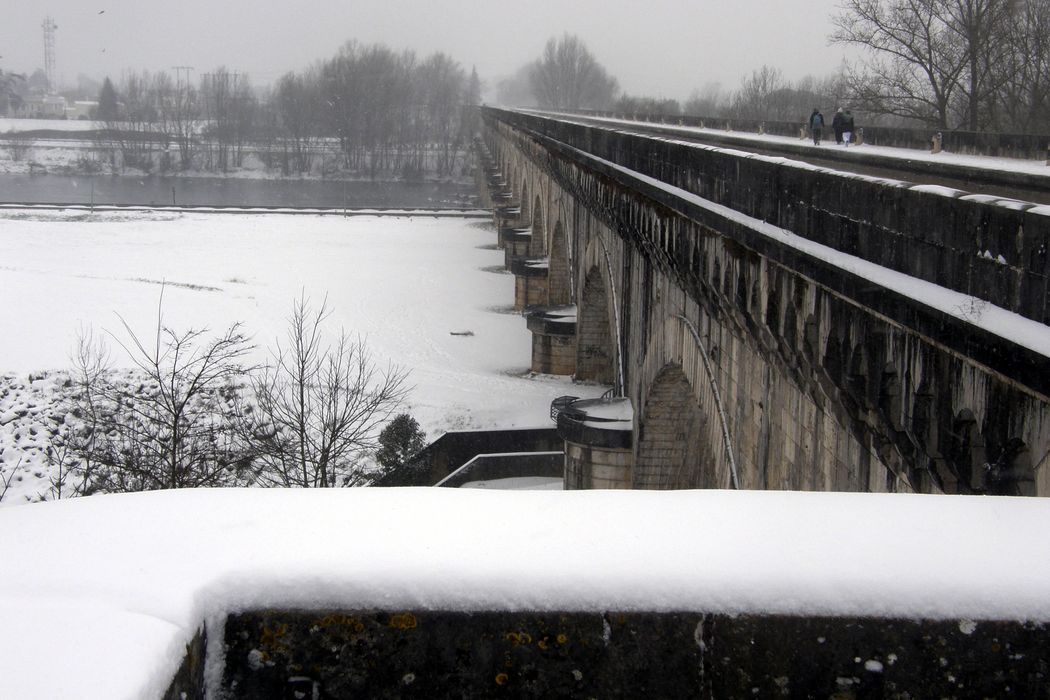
(836, 124)
(847, 127)
(816, 125)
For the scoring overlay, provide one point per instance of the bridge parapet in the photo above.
(996, 251)
(1021, 146)
(808, 368)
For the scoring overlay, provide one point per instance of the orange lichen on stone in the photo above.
(404, 621)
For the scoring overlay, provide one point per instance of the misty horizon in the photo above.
(662, 49)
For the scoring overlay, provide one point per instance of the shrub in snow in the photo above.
(166, 425)
(319, 405)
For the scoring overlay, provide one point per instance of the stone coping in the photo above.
(583, 423)
(516, 235)
(524, 266)
(552, 320)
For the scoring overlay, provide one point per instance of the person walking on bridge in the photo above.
(816, 125)
(847, 127)
(836, 125)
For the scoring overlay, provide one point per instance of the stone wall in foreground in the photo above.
(344, 654)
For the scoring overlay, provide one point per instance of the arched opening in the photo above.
(595, 354)
(671, 450)
(969, 454)
(558, 278)
(538, 232)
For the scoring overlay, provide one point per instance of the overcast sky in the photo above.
(654, 47)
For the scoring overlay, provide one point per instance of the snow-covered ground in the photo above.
(100, 595)
(414, 287)
(8, 124)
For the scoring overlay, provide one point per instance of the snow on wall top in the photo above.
(982, 314)
(977, 162)
(99, 595)
(992, 163)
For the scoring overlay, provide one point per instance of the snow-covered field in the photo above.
(12, 124)
(427, 293)
(99, 595)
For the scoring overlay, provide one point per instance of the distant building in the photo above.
(82, 109)
(41, 107)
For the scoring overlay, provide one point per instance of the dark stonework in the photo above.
(188, 683)
(277, 654)
(993, 252)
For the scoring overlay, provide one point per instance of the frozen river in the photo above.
(231, 191)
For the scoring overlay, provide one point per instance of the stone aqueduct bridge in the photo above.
(738, 357)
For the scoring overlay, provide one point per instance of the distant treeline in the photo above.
(367, 111)
(973, 65)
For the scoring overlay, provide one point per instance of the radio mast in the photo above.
(49, 27)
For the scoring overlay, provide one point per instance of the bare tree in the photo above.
(230, 108)
(18, 144)
(320, 406)
(981, 28)
(756, 97)
(443, 84)
(710, 101)
(135, 130)
(180, 113)
(7, 478)
(516, 90)
(915, 61)
(637, 104)
(469, 119)
(299, 112)
(930, 60)
(165, 425)
(1022, 77)
(567, 76)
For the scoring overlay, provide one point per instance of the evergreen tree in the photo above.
(474, 87)
(107, 102)
(9, 97)
(399, 440)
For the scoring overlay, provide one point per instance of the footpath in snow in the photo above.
(1013, 165)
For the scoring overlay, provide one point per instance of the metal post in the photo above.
(172, 196)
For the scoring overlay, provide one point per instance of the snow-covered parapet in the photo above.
(113, 587)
